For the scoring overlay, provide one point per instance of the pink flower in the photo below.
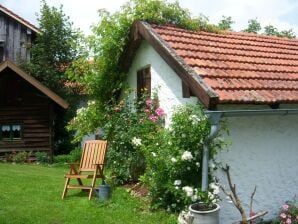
(160, 112)
(285, 207)
(149, 102)
(297, 217)
(288, 221)
(153, 118)
(146, 111)
(283, 215)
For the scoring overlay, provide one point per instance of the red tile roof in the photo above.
(18, 18)
(239, 67)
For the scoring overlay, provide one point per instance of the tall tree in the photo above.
(55, 47)
(225, 23)
(253, 26)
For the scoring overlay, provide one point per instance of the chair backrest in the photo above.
(93, 153)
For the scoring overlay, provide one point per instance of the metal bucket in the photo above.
(104, 192)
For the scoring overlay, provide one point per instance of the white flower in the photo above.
(91, 102)
(197, 164)
(188, 190)
(80, 110)
(214, 187)
(153, 154)
(194, 198)
(173, 205)
(188, 168)
(173, 160)
(187, 156)
(194, 119)
(210, 195)
(177, 182)
(136, 141)
(169, 143)
(211, 165)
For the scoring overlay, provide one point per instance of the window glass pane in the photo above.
(16, 131)
(5, 132)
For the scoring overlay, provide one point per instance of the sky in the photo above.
(280, 13)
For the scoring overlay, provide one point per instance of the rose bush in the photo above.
(173, 157)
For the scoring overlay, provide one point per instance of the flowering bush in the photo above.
(173, 173)
(289, 213)
(128, 125)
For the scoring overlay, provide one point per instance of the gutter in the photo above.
(215, 117)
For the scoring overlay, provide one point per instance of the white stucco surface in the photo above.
(264, 150)
(163, 79)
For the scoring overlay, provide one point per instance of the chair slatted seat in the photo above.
(90, 167)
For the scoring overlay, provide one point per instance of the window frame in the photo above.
(11, 135)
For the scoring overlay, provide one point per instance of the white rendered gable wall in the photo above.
(163, 79)
(264, 150)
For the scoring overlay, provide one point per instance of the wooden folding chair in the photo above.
(91, 167)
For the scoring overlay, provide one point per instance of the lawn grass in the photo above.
(32, 194)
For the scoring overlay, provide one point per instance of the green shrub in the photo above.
(75, 155)
(61, 159)
(20, 157)
(123, 129)
(173, 156)
(42, 157)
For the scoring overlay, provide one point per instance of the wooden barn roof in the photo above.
(227, 68)
(19, 19)
(42, 88)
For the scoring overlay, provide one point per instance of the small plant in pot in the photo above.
(206, 211)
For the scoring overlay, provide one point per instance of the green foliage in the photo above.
(73, 157)
(289, 212)
(253, 26)
(173, 156)
(104, 81)
(126, 128)
(225, 23)
(42, 157)
(55, 47)
(61, 159)
(20, 157)
(273, 31)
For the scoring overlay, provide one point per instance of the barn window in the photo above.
(144, 82)
(10, 132)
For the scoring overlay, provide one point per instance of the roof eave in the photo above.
(19, 19)
(143, 31)
(42, 88)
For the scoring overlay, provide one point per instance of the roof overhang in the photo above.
(42, 88)
(19, 19)
(143, 31)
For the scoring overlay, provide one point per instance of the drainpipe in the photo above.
(214, 121)
(214, 118)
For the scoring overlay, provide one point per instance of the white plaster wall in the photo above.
(163, 79)
(264, 152)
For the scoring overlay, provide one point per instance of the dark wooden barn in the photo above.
(26, 111)
(27, 107)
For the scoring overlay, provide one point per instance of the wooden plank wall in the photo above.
(28, 107)
(17, 41)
